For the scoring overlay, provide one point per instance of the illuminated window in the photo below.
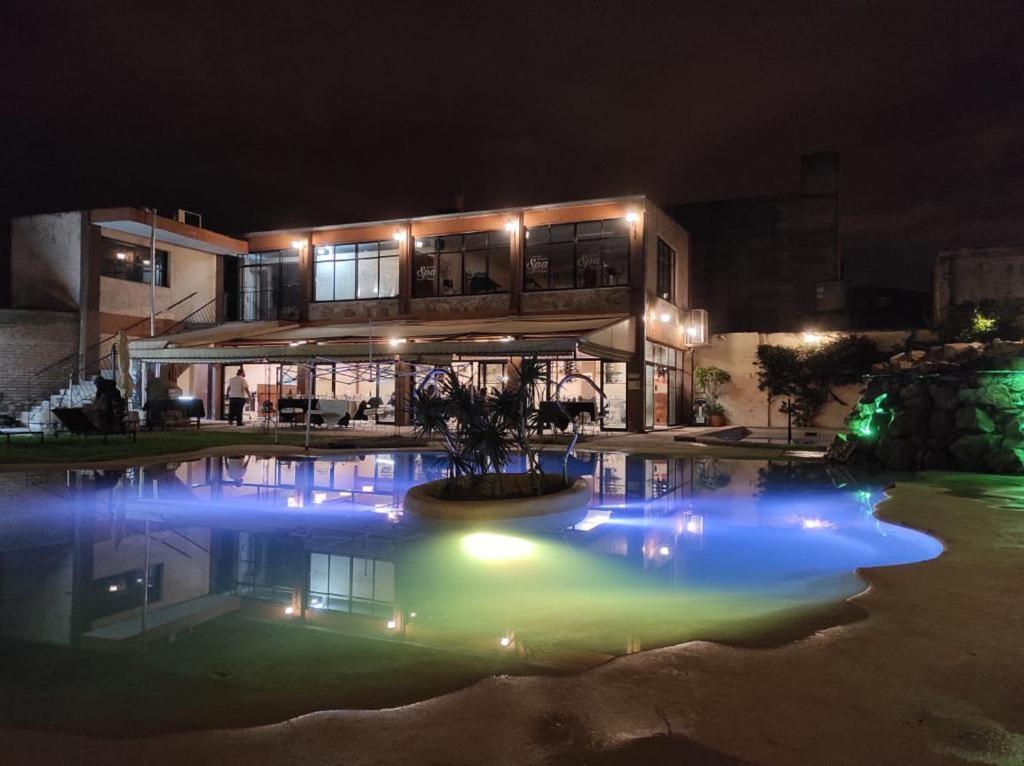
(574, 255)
(132, 262)
(461, 264)
(356, 271)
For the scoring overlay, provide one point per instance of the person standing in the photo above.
(237, 393)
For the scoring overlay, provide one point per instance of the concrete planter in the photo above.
(421, 500)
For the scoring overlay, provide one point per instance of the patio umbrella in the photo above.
(124, 367)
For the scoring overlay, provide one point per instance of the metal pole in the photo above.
(789, 421)
(309, 397)
(152, 272)
(277, 421)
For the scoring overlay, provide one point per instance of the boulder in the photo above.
(937, 460)
(973, 419)
(896, 454)
(997, 395)
(960, 352)
(940, 424)
(944, 397)
(1006, 461)
(972, 450)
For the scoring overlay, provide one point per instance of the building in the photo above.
(973, 275)
(361, 312)
(79, 277)
(771, 264)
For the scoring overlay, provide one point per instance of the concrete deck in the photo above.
(933, 675)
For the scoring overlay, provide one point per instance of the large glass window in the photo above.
(461, 264)
(271, 287)
(666, 271)
(568, 255)
(132, 262)
(357, 271)
(123, 591)
(351, 583)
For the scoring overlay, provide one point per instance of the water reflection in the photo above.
(668, 550)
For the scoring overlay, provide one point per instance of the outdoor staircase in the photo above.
(40, 417)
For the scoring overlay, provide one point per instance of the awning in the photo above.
(230, 332)
(130, 220)
(607, 337)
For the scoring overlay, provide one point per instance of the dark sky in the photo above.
(269, 114)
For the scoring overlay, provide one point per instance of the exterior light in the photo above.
(664, 550)
(813, 338)
(665, 317)
(145, 262)
(692, 331)
(289, 610)
(419, 243)
(506, 339)
(399, 235)
(295, 343)
(396, 341)
(632, 217)
(510, 225)
(505, 641)
(412, 615)
(122, 256)
(113, 589)
(298, 244)
(489, 546)
(392, 624)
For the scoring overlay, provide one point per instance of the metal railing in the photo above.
(82, 365)
(210, 314)
(263, 305)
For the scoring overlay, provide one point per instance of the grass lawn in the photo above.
(74, 449)
(230, 672)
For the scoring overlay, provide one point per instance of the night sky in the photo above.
(264, 115)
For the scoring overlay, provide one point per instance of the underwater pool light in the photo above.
(817, 524)
(488, 546)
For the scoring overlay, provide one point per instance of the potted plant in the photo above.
(480, 431)
(709, 382)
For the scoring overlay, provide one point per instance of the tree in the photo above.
(807, 375)
(709, 381)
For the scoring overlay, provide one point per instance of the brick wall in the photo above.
(29, 341)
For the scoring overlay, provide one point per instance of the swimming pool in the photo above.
(232, 591)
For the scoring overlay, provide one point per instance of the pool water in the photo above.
(243, 590)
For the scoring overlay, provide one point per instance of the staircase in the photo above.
(40, 417)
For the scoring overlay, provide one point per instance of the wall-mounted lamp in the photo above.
(122, 256)
(396, 341)
(665, 317)
(510, 226)
(632, 217)
(298, 244)
(399, 235)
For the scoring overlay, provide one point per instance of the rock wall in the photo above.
(956, 407)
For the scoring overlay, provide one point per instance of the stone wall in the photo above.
(955, 407)
(29, 341)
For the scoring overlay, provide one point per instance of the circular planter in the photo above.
(421, 501)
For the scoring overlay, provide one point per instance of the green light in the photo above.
(981, 323)
(487, 546)
(863, 415)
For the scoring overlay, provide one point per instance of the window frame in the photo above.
(664, 248)
(355, 260)
(576, 241)
(134, 268)
(486, 250)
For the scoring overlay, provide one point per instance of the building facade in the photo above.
(361, 312)
(973, 275)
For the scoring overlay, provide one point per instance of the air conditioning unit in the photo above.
(696, 328)
(192, 219)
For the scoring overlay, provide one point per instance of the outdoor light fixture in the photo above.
(113, 589)
(510, 225)
(813, 338)
(506, 339)
(632, 217)
(489, 546)
(412, 615)
(289, 610)
(396, 341)
(145, 262)
(665, 317)
(419, 243)
(122, 256)
(664, 550)
(399, 236)
(505, 641)
(392, 624)
(298, 343)
(298, 244)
